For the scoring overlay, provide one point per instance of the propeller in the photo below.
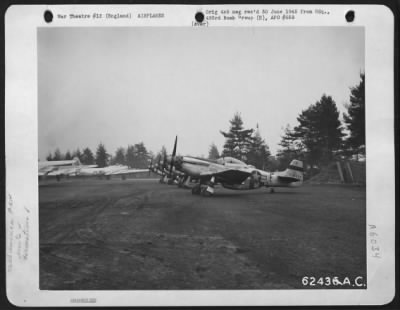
(164, 164)
(159, 163)
(178, 162)
(173, 156)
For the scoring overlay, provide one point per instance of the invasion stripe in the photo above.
(296, 168)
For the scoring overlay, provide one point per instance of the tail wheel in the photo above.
(255, 180)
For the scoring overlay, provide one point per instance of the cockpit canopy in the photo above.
(230, 160)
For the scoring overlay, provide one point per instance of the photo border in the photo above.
(20, 37)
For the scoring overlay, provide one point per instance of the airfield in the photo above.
(138, 234)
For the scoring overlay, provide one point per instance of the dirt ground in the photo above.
(139, 234)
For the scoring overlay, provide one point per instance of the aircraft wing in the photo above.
(127, 171)
(230, 176)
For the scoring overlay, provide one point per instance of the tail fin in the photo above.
(295, 170)
(76, 161)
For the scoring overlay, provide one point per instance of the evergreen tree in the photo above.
(68, 155)
(213, 152)
(141, 156)
(258, 153)
(355, 119)
(87, 157)
(119, 157)
(57, 154)
(291, 148)
(160, 156)
(77, 154)
(320, 130)
(49, 157)
(130, 157)
(101, 156)
(163, 152)
(273, 164)
(237, 140)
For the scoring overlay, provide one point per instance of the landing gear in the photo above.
(180, 182)
(210, 188)
(187, 182)
(184, 182)
(204, 190)
(196, 190)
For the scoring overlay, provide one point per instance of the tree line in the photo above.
(321, 136)
(244, 144)
(134, 156)
(318, 138)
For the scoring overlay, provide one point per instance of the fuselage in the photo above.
(195, 168)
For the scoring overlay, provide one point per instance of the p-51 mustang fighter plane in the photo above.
(115, 170)
(58, 167)
(233, 174)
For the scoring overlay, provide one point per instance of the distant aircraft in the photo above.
(232, 173)
(119, 170)
(59, 168)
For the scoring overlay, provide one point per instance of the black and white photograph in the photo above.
(201, 158)
(180, 158)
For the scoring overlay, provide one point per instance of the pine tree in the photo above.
(237, 140)
(68, 155)
(320, 130)
(213, 152)
(101, 156)
(258, 152)
(87, 157)
(130, 156)
(355, 119)
(57, 154)
(141, 156)
(49, 157)
(119, 157)
(291, 148)
(163, 152)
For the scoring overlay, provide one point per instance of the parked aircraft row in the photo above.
(230, 172)
(60, 168)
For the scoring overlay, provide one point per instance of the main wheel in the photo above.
(196, 190)
(205, 192)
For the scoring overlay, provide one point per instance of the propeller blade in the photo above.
(159, 163)
(164, 165)
(173, 156)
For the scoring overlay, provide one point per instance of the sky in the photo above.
(121, 86)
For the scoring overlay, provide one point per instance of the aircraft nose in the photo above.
(178, 162)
